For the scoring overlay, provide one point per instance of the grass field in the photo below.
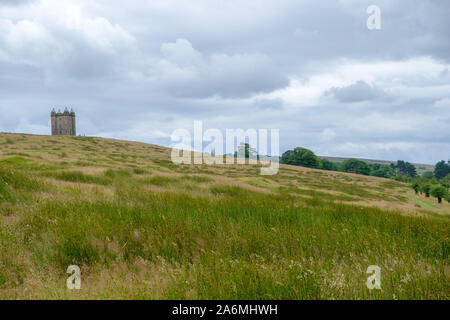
(141, 227)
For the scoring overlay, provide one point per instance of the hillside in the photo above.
(140, 226)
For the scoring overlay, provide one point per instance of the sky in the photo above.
(138, 70)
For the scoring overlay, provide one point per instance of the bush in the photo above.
(301, 157)
(382, 171)
(328, 165)
(439, 192)
(416, 186)
(442, 169)
(356, 166)
(426, 189)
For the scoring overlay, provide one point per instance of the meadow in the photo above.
(141, 227)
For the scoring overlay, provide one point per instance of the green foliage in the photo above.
(382, 171)
(404, 168)
(442, 169)
(439, 192)
(426, 188)
(246, 151)
(428, 175)
(326, 164)
(402, 178)
(416, 186)
(301, 157)
(446, 181)
(355, 166)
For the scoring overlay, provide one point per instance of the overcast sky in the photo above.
(140, 69)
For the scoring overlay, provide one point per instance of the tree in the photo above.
(428, 175)
(446, 181)
(416, 186)
(442, 169)
(356, 166)
(426, 189)
(328, 165)
(405, 168)
(382, 170)
(247, 150)
(301, 157)
(439, 192)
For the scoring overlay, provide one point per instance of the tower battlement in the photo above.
(63, 123)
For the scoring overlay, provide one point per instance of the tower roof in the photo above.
(65, 112)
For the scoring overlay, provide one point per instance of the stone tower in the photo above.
(63, 123)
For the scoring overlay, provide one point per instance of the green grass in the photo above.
(80, 177)
(257, 247)
(292, 236)
(230, 191)
(422, 203)
(15, 185)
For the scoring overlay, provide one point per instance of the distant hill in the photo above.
(419, 166)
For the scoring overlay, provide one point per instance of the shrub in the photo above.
(328, 165)
(439, 192)
(426, 189)
(356, 166)
(301, 157)
(416, 186)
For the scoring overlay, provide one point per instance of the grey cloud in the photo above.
(124, 65)
(186, 72)
(357, 92)
(267, 104)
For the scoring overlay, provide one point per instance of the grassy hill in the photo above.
(141, 227)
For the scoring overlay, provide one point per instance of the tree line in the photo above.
(306, 158)
(434, 183)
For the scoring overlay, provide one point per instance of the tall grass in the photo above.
(258, 246)
(196, 236)
(14, 184)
